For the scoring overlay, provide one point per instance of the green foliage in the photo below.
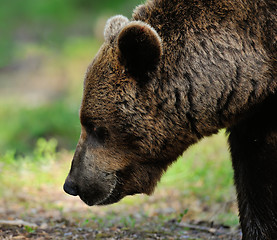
(34, 170)
(229, 219)
(181, 215)
(8, 158)
(204, 172)
(128, 221)
(29, 229)
(203, 169)
(51, 22)
(44, 151)
(20, 126)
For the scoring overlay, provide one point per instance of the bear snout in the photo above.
(70, 188)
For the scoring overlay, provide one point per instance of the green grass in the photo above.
(205, 169)
(203, 175)
(32, 170)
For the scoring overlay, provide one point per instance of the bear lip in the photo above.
(111, 197)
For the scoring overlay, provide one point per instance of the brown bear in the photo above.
(180, 70)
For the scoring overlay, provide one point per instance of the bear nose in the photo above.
(70, 188)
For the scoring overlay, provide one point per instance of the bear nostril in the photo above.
(70, 188)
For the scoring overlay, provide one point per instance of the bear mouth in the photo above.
(100, 197)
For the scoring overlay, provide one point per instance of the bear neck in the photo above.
(212, 72)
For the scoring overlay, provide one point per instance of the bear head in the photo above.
(125, 143)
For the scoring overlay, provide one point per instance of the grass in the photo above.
(204, 174)
(206, 167)
(32, 170)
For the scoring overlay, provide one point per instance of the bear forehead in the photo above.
(106, 88)
(105, 67)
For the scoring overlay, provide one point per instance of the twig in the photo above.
(199, 228)
(17, 222)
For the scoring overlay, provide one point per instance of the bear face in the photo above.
(123, 135)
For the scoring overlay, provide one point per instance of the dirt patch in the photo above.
(64, 229)
(54, 215)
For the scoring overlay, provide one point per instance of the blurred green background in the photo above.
(45, 48)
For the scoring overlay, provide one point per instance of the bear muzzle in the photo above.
(102, 189)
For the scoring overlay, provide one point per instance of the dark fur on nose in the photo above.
(70, 188)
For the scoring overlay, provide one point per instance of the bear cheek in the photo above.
(138, 177)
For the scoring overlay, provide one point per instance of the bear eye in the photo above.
(98, 133)
(101, 134)
(89, 127)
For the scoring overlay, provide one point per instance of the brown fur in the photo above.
(179, 71)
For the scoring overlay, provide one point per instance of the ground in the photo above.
(41, 210)
(38, 223)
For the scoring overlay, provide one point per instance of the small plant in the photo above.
(128, 221)
(8, 157)
(181, 215)
(100, 222)
(45, 150)
(85, 222)
(29, 229)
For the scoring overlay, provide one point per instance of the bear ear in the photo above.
(113, 27)
(140, 48)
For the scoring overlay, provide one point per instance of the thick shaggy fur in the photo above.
(179, 71)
